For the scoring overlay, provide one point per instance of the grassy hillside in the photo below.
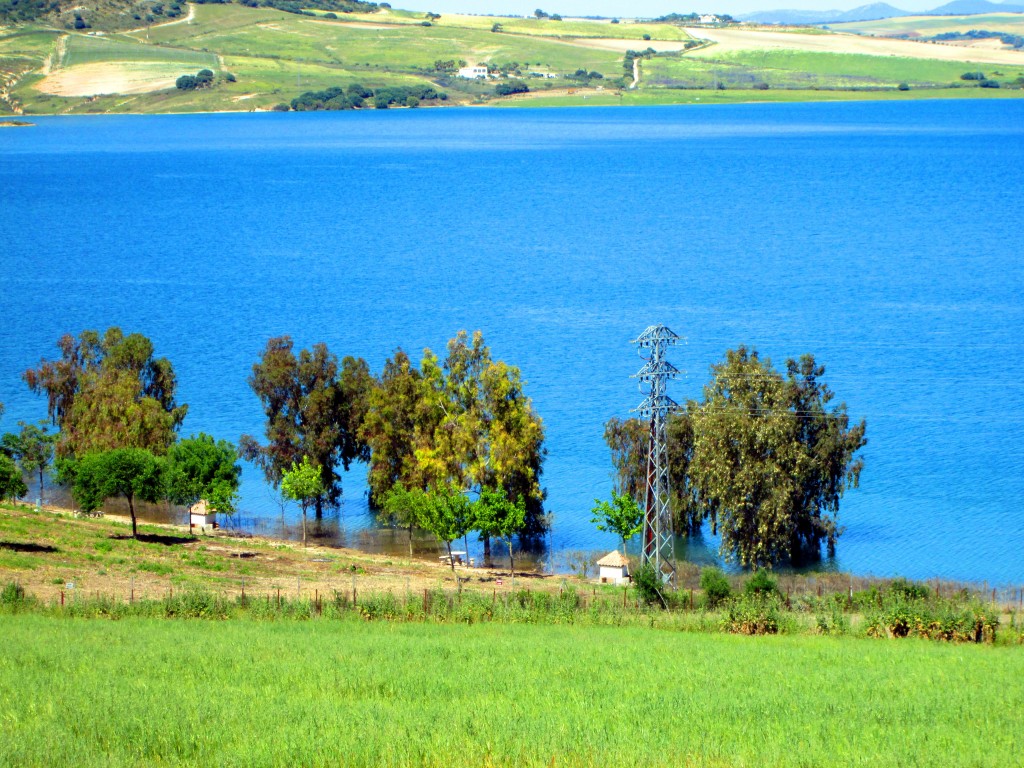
(928, 26)
(238, 693)
(265, 57)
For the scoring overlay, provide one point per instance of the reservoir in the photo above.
(884, 238)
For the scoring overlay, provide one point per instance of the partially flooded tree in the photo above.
(32, 447)
(109, 391)
(771, 459)
(314, 409)
(448, 514)
(498, 516)
(200, 467)
(464, 421)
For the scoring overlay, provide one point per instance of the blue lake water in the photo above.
(882, 237)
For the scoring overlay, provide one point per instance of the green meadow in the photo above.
(93, 692)
(806, 70)
(928, 26)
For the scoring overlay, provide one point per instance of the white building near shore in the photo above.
(471, 73)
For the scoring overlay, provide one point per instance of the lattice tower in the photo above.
(657, 549)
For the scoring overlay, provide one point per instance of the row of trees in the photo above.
(355, 96)
(764, 457)
(462, 425)
(115, 407)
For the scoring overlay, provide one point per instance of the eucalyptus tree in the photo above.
(108, 391)
(771, 459)
(314, 409)
(463, 421)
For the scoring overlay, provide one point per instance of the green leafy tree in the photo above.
(629, 441)
(134, 473)
(408, 508)
(303, 483)
(448, 514)
(464, 421)
(621, 516)
(771, 459)
(200, 467)
(108, 391)
(32, 447)
(314, 409)
(12, 486)
(497, 516)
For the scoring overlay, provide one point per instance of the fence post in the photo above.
(279, 598)
(131, 598)
(62, 598)
(624, 593)
(426, 602)
(353, 590)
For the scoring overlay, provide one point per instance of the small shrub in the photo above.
(161, 569)
(12, 594)
(282, 107)
(903, 87)
(761, 584)
(649, 585)
(908, 589)
(753, 616)
(716, 587)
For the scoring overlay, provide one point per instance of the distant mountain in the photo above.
(878, 11)
(862, 13)
(971, 7)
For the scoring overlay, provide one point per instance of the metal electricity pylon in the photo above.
(654, 377)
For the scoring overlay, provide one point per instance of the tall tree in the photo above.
(314, 409)
(200, 467)
(399, 419)
(32, 447)
(134, 473)
(771, 459)
(108, 391)
(303, 483)
(629, 441)
(12, 486)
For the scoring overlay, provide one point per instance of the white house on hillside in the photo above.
(473, 72)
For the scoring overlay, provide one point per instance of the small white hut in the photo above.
(614, 568)
(201, 516)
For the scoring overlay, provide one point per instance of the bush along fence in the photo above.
(891, 612)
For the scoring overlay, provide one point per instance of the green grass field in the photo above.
(239, 693)
(806, 69)
(927, 26)
(83, 49)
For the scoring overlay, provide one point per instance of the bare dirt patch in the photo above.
(621, 45)
(756, 40)
(112, 77)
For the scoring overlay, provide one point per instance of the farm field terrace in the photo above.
(91, 692)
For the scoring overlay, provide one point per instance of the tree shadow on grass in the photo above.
(22, 546)
(156, 538)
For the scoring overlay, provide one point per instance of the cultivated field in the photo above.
(735, 40)
(928, 26)
(92, 692)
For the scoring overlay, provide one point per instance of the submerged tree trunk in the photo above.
(410, 542)
(511, 562)
(487, 548)
(304, 524)
(451, 560)
(40, 485)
